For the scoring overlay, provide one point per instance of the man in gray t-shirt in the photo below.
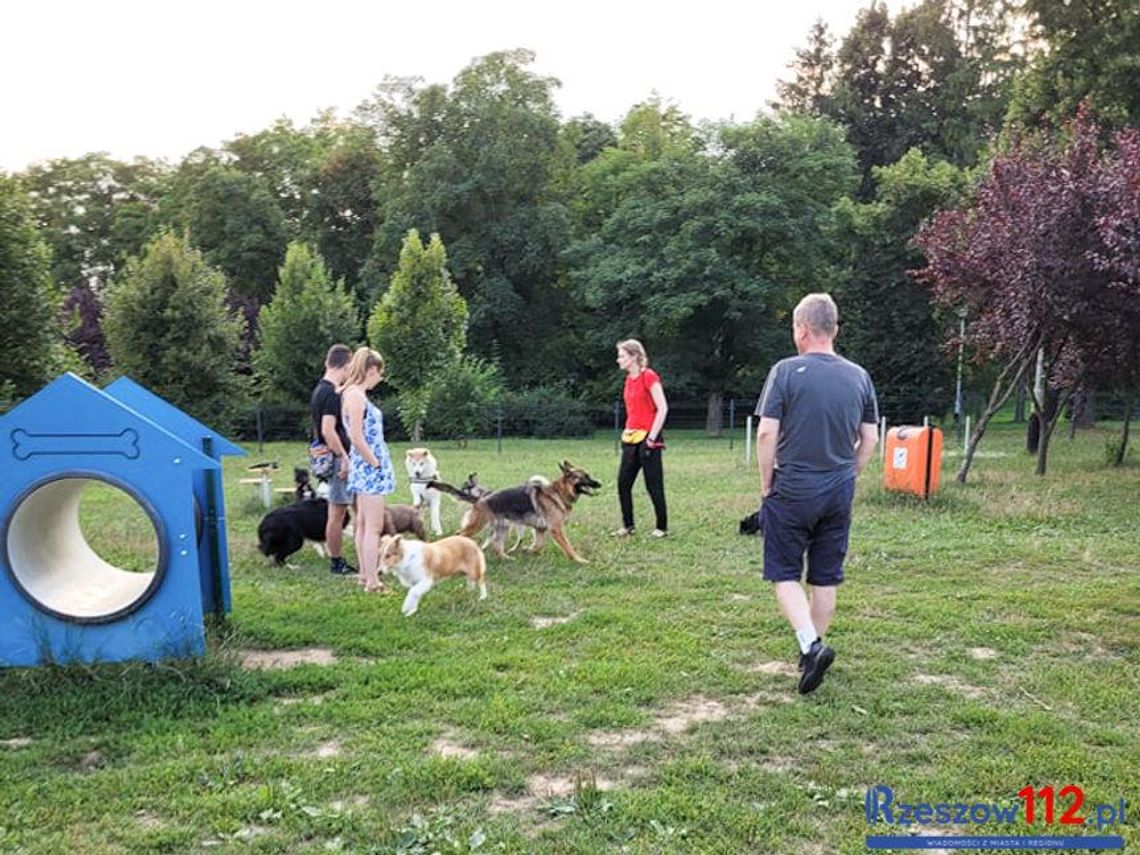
(818, 428)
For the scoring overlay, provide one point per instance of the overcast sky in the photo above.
(159, 79)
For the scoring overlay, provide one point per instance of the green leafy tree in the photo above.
(30, 335)
(1089, 51)
(342, 216)
(420, 324)
(476, 164)
(93, 212)
(308, 314)
(890, 325)
(937, 77)
(703, 255)
(235, 220)
(168, 328)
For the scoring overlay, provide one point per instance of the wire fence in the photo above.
(724, 419)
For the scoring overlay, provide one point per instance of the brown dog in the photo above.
(400, 519)
(540, 504)
(420, 565)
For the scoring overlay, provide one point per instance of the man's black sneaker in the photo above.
(341, 567)
(814, 664)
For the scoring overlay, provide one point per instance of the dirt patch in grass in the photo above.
(765, 699)
(542, 788)
(784, 668)
(620, 738)
(543, 621)
(952, 683)
(18, 742)
(148, 820)
(315, 700)
(780, 765)
(983, 653)
(276, 660)
(685, 713)
(448, 745)
(329, 748)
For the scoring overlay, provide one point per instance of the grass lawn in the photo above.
(987, 641)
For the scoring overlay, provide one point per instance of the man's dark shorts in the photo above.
(821, 525)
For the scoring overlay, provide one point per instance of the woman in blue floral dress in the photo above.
(370, 473)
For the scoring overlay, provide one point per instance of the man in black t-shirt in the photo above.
(818, 428)
(327, 427)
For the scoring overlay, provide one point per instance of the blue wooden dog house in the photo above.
(59, 600)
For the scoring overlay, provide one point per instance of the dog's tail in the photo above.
(462, 495)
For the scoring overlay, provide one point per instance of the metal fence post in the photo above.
(731, 421)
(260, 433)
(499, 426)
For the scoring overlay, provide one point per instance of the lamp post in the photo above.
(958, 403)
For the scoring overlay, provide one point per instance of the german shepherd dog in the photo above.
(540, 504)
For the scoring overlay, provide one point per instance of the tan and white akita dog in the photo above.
(422, 467)
(420, 565)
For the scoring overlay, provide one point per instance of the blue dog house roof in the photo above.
(69, 419)
(188, 429)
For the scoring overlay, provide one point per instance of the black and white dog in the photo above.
(284, 530)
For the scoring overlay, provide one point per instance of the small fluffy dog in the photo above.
(284, 530)
(420, 565)
(404, 518)
(302, 485)
(423, 468)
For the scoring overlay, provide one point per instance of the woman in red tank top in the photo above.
(642, 444)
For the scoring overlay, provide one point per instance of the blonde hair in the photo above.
(362, 362)
(635, 349)
(818, 313)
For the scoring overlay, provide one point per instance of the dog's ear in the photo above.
(565, 466)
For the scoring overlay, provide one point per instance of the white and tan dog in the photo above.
(420, 565)
(422, 467)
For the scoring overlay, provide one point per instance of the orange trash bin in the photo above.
(913, 460)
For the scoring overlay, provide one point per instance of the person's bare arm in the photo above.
(767, 433)
(353, 407)
(868, 439)
(658, 395)
(330, 435)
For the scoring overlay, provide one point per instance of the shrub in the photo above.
(547, 411)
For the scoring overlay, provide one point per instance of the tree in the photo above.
(1019, 261)
(307, 315)
(419, 325)
(236, 222)
(703, 255)
(342, 216)
(93, 212)
(809, 92)
(1112, 358)
(169, 329)
(474, 163)
(1090, 52)
(936, 78)
(30, 335)
(890, 326)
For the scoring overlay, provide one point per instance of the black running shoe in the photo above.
(340, 567)
(815, 664)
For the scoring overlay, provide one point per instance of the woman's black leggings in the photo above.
(634, 458)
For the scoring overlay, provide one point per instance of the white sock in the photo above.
(805, 635)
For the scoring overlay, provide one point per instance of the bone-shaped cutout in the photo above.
(124, 443)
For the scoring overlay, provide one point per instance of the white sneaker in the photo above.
(622, 532)
(658, 533)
